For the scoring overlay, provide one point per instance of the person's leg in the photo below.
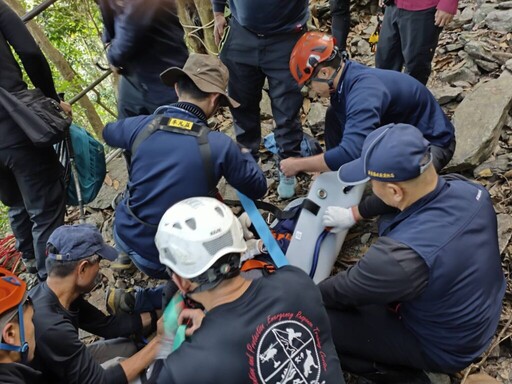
(104, 350)
(419, 36)
(19, 220)
(39, 176)
(245, 86)
(130, 100)
(140, 299)
(340, 12)
(389, 49)
(442, 156)
(372, 339)
(286, 101)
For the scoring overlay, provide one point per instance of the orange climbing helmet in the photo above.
(312, 49)
(12, 291)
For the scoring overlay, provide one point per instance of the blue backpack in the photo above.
(89, 157)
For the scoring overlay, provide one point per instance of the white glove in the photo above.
(254, 248)
(246, 223)
(338, 218)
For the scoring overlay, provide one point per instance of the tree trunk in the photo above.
(196, 17)
(61, 64)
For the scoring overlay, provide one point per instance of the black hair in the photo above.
(59, 268)
(227, 267)
(333, 63)
(187, 87)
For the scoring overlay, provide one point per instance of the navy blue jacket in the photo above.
(167, 168)
(368, 98)
(145, 39)
(267, 16)
(453, 229)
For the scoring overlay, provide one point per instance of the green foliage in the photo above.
(74, 28)
(4, 221)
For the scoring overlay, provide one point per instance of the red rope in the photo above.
(10, 258)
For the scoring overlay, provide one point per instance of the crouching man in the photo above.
(60, 310)
(427, 294)
(273, 329)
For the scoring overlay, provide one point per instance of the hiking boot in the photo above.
(30, 265)
(286, 187)
(122, 263)
(118, 300)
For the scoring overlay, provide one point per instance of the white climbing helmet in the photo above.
(196, 232)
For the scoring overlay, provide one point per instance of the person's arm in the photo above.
(61, 355)
(293, 165)
(34, 62)
(130, 30)
(122, 133)
(446, 9)
(96, 322)
(219, 19)
(135, 364)
(367, 101)
(240, 169)
(387, 273)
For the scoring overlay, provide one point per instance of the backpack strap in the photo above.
(183, 127)
(251, 264)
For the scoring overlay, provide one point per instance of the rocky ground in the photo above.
(472, 79)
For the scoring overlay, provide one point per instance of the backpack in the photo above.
(88, 155)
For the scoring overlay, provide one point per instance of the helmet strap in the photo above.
(23, 348)
(215, 275)
(330, 80)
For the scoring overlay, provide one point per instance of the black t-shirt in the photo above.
(276, 332)
(60, 354)
(16, 373)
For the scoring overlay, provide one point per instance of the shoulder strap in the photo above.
(184, 127)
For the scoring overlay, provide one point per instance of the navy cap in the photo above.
(76, 242)
(394, 152)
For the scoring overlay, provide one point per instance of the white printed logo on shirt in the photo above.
(286, 352)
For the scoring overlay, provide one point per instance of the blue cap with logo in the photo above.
(76, 242)
(394, 152)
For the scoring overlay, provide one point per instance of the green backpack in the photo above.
(89, 157)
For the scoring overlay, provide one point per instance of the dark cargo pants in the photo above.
(32, 186)
(250, 58)
(408, 38)
(340, 12)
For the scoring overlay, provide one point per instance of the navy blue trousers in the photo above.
(340, 12)
(251, 59)
(408, 39)
(137, 97)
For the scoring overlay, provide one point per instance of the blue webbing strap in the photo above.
(261, 227)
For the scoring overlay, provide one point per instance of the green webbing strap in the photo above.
(171, 326)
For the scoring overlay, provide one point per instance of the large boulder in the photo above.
(479, 120)
(115, 182)
(500, 20)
